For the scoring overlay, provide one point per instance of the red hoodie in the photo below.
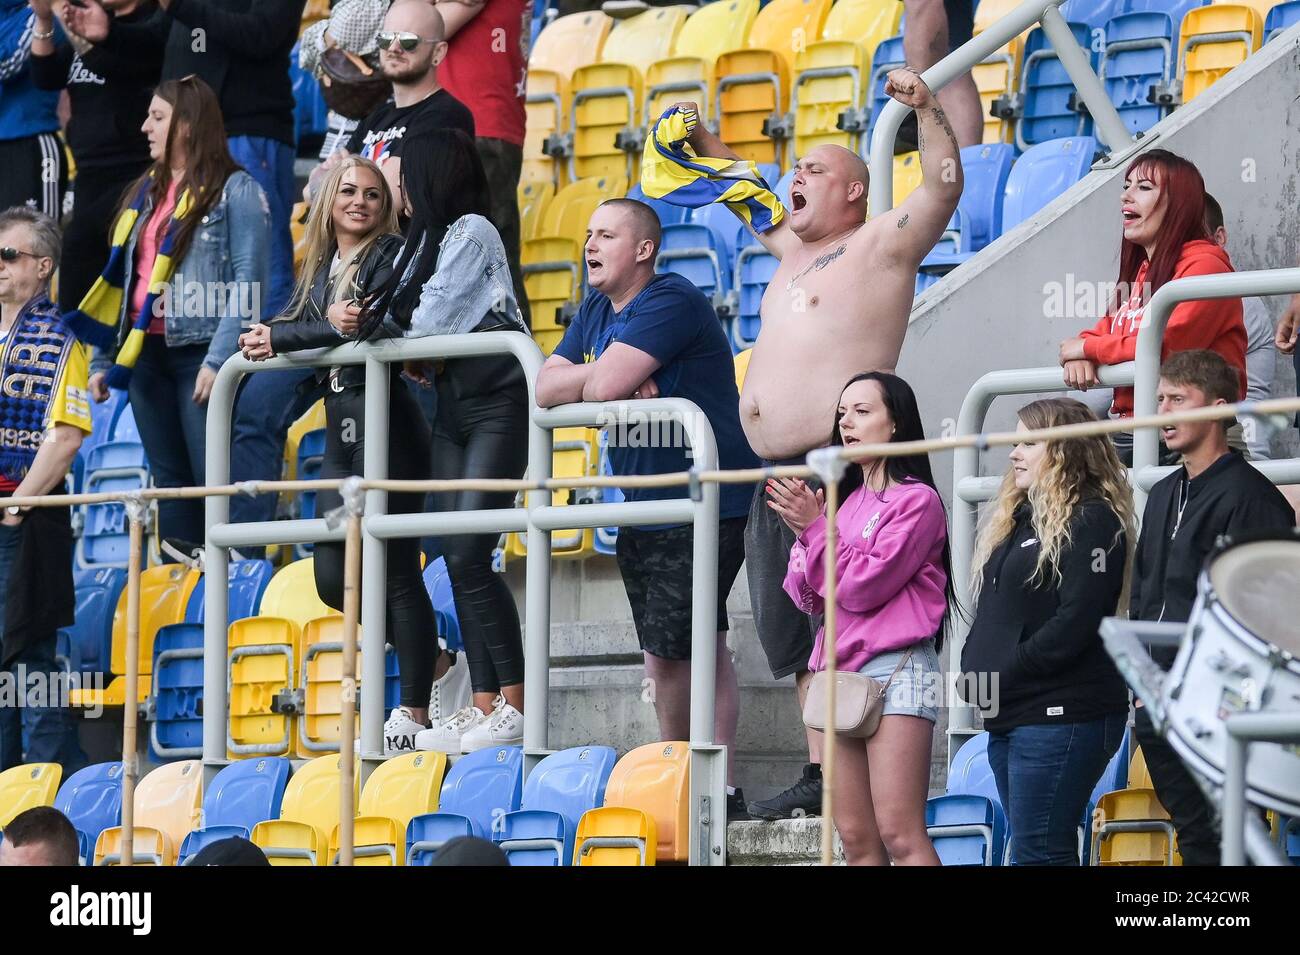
(1215, 324)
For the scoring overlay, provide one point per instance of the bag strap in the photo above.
(906, 656)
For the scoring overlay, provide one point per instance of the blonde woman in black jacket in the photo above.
(1050, 563)
(352, 242)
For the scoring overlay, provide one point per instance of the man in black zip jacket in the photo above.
(1215, 492)
(109, 96)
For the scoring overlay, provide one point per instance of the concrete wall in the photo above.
(989, 314)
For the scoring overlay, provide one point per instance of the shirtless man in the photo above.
(837, 305)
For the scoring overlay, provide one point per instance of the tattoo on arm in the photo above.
(942, 120)
(903, 221)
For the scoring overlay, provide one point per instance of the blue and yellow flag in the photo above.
(671, 171)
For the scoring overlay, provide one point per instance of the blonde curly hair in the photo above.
(1071, 472)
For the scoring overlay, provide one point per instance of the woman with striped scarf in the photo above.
(186, 270)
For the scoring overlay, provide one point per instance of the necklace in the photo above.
(823, 260)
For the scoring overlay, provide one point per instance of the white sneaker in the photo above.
(451, 693)
(505, 727)
(400, 732)
(446, 737)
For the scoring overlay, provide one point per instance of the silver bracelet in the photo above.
(43, 36)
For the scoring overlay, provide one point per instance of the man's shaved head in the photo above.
(847, 164)
(416, 16)
(640, 219)
(828, 193)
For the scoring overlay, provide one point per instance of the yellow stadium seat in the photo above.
(566, 44)
(654, 782)
(907, 176)
(321, 681)
(1213, 40)
(576, 454)
(312, 419)
(989, 12)
(1139, 777)
(753, 84)
(25, 787)
(534, 199)
(568, 215)
(262, 654)
(167, 807)
(1132, 828)
(689, 73)
(298, 232)
(615, 836)
(308, 814)
(164, 594)
(997, 76)
(401, 788)
(833, 74)
(606, 107)
(291, 594)
(552, 280)
(742, 367)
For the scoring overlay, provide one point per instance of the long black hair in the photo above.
(443, 179)
(900, 402)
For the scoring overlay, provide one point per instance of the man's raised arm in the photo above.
(779, 239)
(921, 218)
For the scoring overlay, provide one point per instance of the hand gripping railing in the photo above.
(537, 519)
(1110, 128)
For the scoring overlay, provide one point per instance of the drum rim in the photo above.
(1214, 605)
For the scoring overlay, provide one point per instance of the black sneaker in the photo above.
(736, 811)
(804, 798)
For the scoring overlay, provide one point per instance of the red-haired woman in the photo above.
(1163, 207)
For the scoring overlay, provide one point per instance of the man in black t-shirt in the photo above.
(419, 104)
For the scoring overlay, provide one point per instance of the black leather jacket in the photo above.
(311, 328)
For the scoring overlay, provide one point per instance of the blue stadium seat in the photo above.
(91, 798)
(985, 168)
(1047, 96)
(311, 115)
(480, 788)
(966, 830)
(889, 56)
(558, 791)
(666, 211)
(244, 793)
(1139, 59)
(970, 773)
(116, 465)
(755, 267)
(438, 584)
(1043, 173)
(1281, 17)
(90, 637)
(124, 426)
(311, 452)
(1092, 13)
(782, 188)
(605, 540)
(730, 232)
(693, 252)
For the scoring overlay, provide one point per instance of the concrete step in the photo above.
(785, 842)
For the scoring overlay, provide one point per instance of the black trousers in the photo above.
(412, 628)
(1198, 835)
(481, 432)
(96, 195)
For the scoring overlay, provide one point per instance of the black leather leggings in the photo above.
(411, 625)
(481, 431)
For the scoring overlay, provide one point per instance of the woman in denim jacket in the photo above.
(219, 249)
(452, 279)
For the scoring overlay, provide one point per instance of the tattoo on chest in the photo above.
(903, 221)
(828, 258)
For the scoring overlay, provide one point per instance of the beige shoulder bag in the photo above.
(859, 701)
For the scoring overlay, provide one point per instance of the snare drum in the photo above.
(1241, 654)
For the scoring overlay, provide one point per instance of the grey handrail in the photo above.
(1110, 129)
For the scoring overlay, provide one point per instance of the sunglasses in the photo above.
(11, 255)
(407, 41)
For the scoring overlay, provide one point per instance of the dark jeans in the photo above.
(267, 405)
(1045, 774)
(502, 161)
(97, 192)
(481, 432)
(32, 733)
(412, 628)
(173, 429)
(270, 162)
(1193, 818)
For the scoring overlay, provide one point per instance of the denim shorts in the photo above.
(918, 688)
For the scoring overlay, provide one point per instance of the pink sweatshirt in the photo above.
(890, 580)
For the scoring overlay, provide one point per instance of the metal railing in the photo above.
(970, 489)
(1109, 128)
(537, 519)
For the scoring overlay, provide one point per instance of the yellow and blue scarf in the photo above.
(96, 321)
(35, 353)
(672, 172)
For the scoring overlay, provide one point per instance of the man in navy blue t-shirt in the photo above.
(642, 335)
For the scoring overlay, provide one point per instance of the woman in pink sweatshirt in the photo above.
(893, 593)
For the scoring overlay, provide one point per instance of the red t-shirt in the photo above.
(487, 68)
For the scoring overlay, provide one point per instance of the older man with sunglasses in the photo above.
(411, 45)
(44, 414)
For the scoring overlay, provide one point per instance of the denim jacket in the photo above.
(471, 282)
(226, 265)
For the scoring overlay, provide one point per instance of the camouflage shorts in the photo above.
(656, 567)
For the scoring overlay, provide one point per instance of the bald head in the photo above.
(416, 16)
(828, 193)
